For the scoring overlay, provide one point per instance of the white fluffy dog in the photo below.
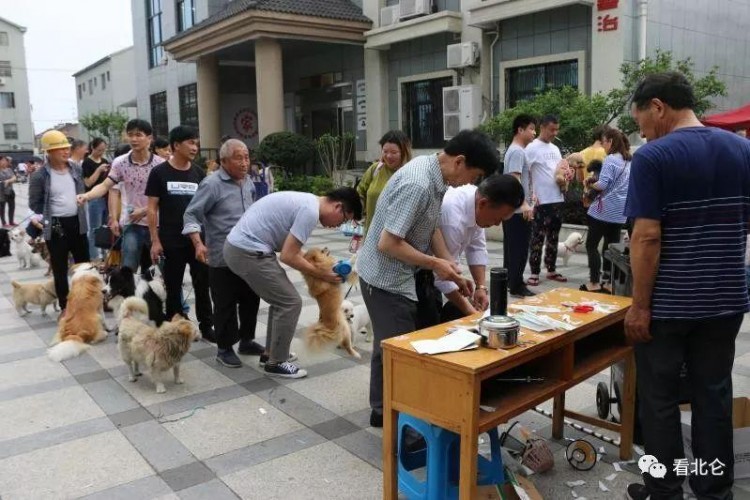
(358, 318)
(568, 247)
(26, 257)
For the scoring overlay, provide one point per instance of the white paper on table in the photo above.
(456, 341)
(535, 309)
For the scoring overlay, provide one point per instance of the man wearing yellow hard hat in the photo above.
(52, 192)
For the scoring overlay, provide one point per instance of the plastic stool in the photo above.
(441, 458)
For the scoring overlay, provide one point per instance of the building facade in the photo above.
(15, 109)
(107, 85)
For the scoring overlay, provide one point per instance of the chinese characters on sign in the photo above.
(245, 123)
(607, 22)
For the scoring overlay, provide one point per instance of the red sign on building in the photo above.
(606, 4)
(607, 23)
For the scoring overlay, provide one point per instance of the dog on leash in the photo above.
(358, 319)
(41, 294)
(24, 252)
(121, 284)
(331, 325)
(568, 247)
(160, 349)
(39, 247)
(83, 323)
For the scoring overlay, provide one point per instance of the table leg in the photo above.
(627, 419)
(467, 485)
(390, 426)
(558, 416)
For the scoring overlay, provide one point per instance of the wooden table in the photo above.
(448, 389)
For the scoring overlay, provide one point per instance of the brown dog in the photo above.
(332, 325)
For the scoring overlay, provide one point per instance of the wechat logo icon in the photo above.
(650, 464)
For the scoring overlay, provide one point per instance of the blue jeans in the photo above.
(97, 213)
(134, 238)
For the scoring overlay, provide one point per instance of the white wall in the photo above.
(19, 85)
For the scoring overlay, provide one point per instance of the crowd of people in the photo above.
(421, 215)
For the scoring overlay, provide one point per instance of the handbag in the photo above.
(103, 237)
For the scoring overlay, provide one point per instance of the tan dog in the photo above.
(41, 294)
(159, 349)
(82, 323)
(332, 325)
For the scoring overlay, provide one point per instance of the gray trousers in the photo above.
(269, 281)
(391, 315)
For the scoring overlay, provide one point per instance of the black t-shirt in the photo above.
(89, 166)
(174, 188)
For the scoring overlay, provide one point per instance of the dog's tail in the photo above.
(133, 306)
(318, 335)
(69, 348)
(15, 284)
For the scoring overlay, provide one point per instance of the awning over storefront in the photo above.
(734, 119)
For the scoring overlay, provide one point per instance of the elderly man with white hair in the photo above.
(218, 204)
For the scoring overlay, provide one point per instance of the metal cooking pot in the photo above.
(500, 332)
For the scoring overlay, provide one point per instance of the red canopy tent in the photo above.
(734, 119)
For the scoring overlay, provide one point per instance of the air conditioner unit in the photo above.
(461, 55)
(3, 81)
(413, 8)
(389, 15)
(462, 109)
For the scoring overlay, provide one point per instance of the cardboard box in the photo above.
(515, 488)
(741, 424)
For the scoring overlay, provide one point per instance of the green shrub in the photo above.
(316, 184)
(286, 149)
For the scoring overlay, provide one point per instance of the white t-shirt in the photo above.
(265, 225)
(62, 194)
(543, 158)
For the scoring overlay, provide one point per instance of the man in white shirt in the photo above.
(465, 212)
(544, 158)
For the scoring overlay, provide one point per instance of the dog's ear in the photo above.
(177, 317)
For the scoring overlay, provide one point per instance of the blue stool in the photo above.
(441, 458)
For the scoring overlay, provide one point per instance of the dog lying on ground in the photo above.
(24, 252)
(568, 247)
(159, 349)
(83, 323)
(358, 319)
(332, 325)
(41, 294)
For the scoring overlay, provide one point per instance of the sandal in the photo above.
(557, 277)
(584, 288)
(533, 280)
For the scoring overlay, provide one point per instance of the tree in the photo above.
(105, 124)
(335, 152)
(618, 100)
(286, 149)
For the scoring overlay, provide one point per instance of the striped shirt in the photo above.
(696, 182)
(609, 206)
(408, 207)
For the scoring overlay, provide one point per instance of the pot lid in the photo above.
(500, 321)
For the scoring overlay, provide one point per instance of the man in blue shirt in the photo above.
(690, 197)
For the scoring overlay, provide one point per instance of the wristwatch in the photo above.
(482, 287)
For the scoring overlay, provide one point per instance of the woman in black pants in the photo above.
(7, 195)
(605, 216)
(52, 193)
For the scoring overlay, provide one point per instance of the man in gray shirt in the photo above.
(517, 230)
(282, 222)
(218, 204)
(404, 237)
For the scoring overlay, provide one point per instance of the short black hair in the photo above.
(598, 132)
(478, 149)
(502, 189)
(349, 197)
(670, 87)
(547, 119)
(77, 143)
(522, 121)
(160, 142)
(122, 149)
(181, 133)
(139, 125)
(95, 142)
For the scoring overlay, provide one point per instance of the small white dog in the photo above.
(25, 254)
(568, 247)
(358, 319)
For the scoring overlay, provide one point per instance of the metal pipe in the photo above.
(642, 27)
(492, 67)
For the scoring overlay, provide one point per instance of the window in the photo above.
(5, 68)
(10, 130)
(153, 28)
(107, 75)
(185, 14)
(422, 111)
(91, 87)
(95, 80)
(189, 105)
(3, 38)
(80, 92)
(159, 120)
(104, 81)
(527, 82)
(7, 100)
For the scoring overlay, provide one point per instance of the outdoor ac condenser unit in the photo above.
(388, 15)
(413, 8)
(3, 81)
(461, 55)
(462, 109)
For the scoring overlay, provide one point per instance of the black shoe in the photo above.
(376, 419)
(637, 492)
(284, 370)
(250, 348)
(522, 292)
(228, 358)
(209, 335)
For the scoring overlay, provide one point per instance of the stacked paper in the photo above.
(459, 340)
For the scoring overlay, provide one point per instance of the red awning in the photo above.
(734, 119)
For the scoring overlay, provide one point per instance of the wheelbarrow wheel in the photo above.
(602, 400)
(618, 397)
